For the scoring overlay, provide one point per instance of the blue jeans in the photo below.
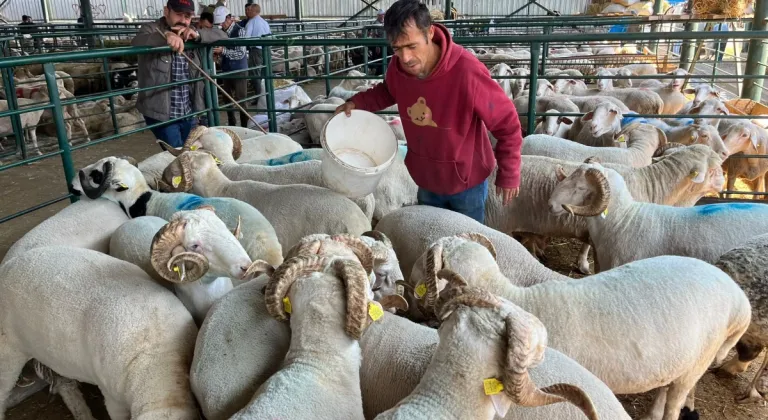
(175, 133)
(469, 203)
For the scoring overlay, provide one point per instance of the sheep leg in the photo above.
(657, 408)
(116, 409)
(74, 400)
(752, 395)
(747, 351)
(12, 361)
(690, 402)
(33, 137)
(676, 396)
(583, 259)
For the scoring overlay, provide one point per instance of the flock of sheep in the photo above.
(225, 278)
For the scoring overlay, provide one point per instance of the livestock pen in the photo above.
(36, 186)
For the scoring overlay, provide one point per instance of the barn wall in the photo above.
(114, 9)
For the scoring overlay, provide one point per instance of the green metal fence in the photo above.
(348, 41)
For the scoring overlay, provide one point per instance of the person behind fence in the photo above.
(177, 102)
(206, 20)
(256, 27)
(448, 102)
(234, 58)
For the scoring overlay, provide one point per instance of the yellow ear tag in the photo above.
(421, 290)
(193, 148)
(375, 311)
(622, 139)
(604, 213)
(218, 162)
(492, 386)
(176, 181)
(694, 174)
(287, 304)
(122, 185)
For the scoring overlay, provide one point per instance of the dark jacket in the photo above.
(234, 58)
(155, 69)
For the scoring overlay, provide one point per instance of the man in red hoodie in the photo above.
(448, 103)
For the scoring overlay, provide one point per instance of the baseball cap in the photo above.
(220, 15)
(181, 5)
(381, 12)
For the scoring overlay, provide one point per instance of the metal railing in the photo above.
(535, 43)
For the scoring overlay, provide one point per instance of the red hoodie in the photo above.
(446, 118)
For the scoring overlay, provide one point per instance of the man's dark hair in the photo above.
(403, 13)
(207, 16)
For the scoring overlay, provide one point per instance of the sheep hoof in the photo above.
(750, 398)
(584, 269)
(687, 414)
(24, 382)
(734, 367)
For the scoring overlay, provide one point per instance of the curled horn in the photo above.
(526, 342)
(661, 150)
(284, 276)
(482, 240)
(379, 236)
(600, 203)
(434, 264)
(237, 142)
(628, 128)
(194, 135)
(305, 247)
(170, 149)
(471, 296)
(356, 281)
(238, 231)
(181, 166)
(168, 255)
(258, 268)
(394, 301)
(360, 248)
(560, 172)
(94, 193)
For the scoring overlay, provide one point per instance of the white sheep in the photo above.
(643, 141)
(598, 128)
(92, 318)
(708, 322)
(395, 351)
(546, 104)
(668, 181)
(484, 340)
(641, 101)
(29, 121)
(701, 93)
(590, 103)
(320, 377)
(703, 232)
(118, 181)
(283, 205)
(706, 107)
(194, 251)
(568, 86)
(741, 135)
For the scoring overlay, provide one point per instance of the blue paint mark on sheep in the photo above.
(191, 202)
(711, 209)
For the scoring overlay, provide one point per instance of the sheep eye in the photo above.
(195, 247)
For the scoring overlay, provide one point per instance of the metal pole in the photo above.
(687, 50)
(18, 130)
(327, 70)
(297, 9)
(44, 8)
(205, 60)
(269, 84)
(535, 48)
(545, 51)
(757, 58)
(657, 5)
(58, 119)
(85, 8)
(448, 4)
(105, 64)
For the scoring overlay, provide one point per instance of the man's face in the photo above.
(413, 48)
(175, 18)
(227, 22)
(380, 18)
(250, 12)
(204, 24)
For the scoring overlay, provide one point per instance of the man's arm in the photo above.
(148, 37)
(374, 99)
(208, 36)
(498, 113)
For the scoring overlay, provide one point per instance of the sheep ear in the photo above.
(572, 81)
(588, 116)
(565, 120)
(689, 91)
(716, 93)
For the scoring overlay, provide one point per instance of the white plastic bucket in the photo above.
(358, 150)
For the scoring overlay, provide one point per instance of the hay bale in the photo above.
(437, 14)
(730, 8)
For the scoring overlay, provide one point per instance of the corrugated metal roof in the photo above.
(113, 9)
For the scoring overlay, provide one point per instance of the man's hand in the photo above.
(186, 33)
(174, 41)
(346, 107)
(218, 50)
(507, 194)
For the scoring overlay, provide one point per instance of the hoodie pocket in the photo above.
(437, 176)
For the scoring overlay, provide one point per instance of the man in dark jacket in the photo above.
(234, 58)
(177, 102)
